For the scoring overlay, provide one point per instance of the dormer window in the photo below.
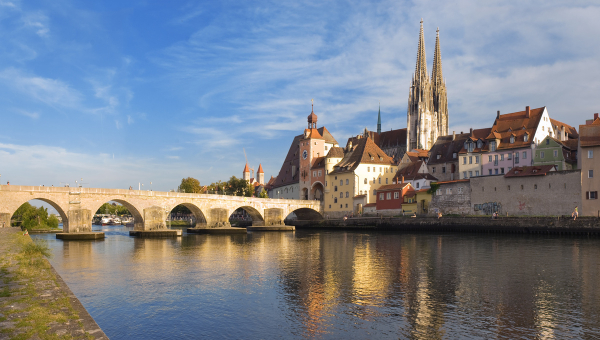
(470, 146)
(525, 137)
(380, 158)
(493, 145)
(512, 139)
(372, 158)
(479, 144)
(454, 155)
(438, 156)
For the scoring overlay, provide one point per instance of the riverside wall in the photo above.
(517, 225)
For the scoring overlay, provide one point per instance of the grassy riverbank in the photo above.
(34, 301)
(179, 223)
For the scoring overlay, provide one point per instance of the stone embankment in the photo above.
(35, 303)
(517, 225)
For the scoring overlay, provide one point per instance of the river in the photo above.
(335, 285)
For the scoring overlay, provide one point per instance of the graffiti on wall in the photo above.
(488, 208)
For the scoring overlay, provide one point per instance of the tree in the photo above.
(239, 187)
(32, 217)
(190, 185)
(263, 194)
(113, 209)
(433, 188)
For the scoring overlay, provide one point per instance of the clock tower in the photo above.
(312, 146)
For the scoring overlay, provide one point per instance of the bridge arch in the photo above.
(194, 209)
(135, 212)
(257, 217)
(305, 214)
(53, 204)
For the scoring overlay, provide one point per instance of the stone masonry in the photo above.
(77, 206)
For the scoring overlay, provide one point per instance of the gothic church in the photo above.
(427, 114)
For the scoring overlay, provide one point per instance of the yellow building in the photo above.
(417, 203)
(356, 170)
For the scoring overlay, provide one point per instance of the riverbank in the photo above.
(34, 300)
(516, 225)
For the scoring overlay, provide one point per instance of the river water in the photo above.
(336, 285)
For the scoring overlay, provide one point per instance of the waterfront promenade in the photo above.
(35, 302)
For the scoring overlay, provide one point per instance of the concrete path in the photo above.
(35, 303)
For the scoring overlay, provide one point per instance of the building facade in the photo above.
(589, 163)
(427, 113)
(452, 197)
(562, 154)
(443, 156)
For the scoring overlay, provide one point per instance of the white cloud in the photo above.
(32, 115)
(129, 120)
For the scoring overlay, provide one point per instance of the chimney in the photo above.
(350, 145)
(595, 116)
(402, 179)
(563, 136)
(471, 132)
(527, 112)
(453, 135)
(498, 115)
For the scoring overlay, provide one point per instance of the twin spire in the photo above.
(421, 67)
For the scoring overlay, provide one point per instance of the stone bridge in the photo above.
(77, 206)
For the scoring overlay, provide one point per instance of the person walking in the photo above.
(575, 214)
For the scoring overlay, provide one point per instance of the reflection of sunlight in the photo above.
(371, 279)
(545, 320)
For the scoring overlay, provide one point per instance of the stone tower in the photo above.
(427, 113)
(246, 173)
(260, 174)
(379, 120)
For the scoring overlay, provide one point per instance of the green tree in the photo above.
(263, 194)
(433, 188)
(239, 187)
(190, 185)
(31, 217)
(113, 209)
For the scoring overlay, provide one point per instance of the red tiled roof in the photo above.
(246, 168)
(422, 190)
(446, 147)
(571, 131)
(517, 124)
(312, 117)
(536, 170)
(364, 152)
(260, 169)
(370, 205)
(589, 135)
(312, 133)
(454, 181)
(392, 186)
(335, 152)
(411, 173)
(318, 162)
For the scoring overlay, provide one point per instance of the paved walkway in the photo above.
(35, 303)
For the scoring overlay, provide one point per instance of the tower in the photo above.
(312, 146)
(246, 174)
(379, 120)
(427, 113)
(260, 174)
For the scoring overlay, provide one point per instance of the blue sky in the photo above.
(119, 93)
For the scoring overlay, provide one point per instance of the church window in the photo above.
(365, 181)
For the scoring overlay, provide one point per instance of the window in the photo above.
(470, 173)
(341, 205)
(590, 173)
(512, 139)
(524, 155)
(460, 190)
(493, 146)
(490, 172)
(490, 160)
(502, 170)
(365, 181)
(525, 137)
(470, 159)
(330, 206)
(495, 171)
(438, 192)
(386, 180)
(509, 168)
(341, 182)
(374, 192)
(396, 195)
(325, 183)
(476, 173)
(379, 179)
(335, 177)
(325, 147)
(535, 186)
(464, 174)
(470, 146)
(590, 153)
(541, 154)
(389, 196)
(495, 159)
(464, 160)
(347, 181)
(555, 153)
(335, 200)
(516, 157)
(502, 157)
(438, 156)
(521, 186)
(346, 205)
(314, 174)
(509, 187)
(547, 141)
(433, 170)
(347, 194)
(591, 195)
(373, 180)
(335, 188)
(417, 185)
(443, 169)
(448, 191)
(320, 173)
(509, 156)
(341, 195)
(476, 159)
(454, 155)
(479, 144)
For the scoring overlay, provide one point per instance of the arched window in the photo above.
(341, 195)
(347, 194)
(365, 181)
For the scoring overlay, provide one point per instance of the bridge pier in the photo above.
(78, 221)
(154, 219)
(272, 216)
(5, 220)
(218, 218)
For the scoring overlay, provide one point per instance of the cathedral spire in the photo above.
(379, 120)
(421, 67)
(437, 77)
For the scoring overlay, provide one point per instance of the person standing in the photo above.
(575, 213)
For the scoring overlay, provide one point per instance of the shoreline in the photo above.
(512, 225)
(36, 301)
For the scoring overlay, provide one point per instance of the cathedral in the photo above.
(427, 114)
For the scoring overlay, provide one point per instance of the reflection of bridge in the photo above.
(76, 206)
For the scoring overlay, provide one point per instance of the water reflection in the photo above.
(336, 285)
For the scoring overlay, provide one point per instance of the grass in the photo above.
(29, 266)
